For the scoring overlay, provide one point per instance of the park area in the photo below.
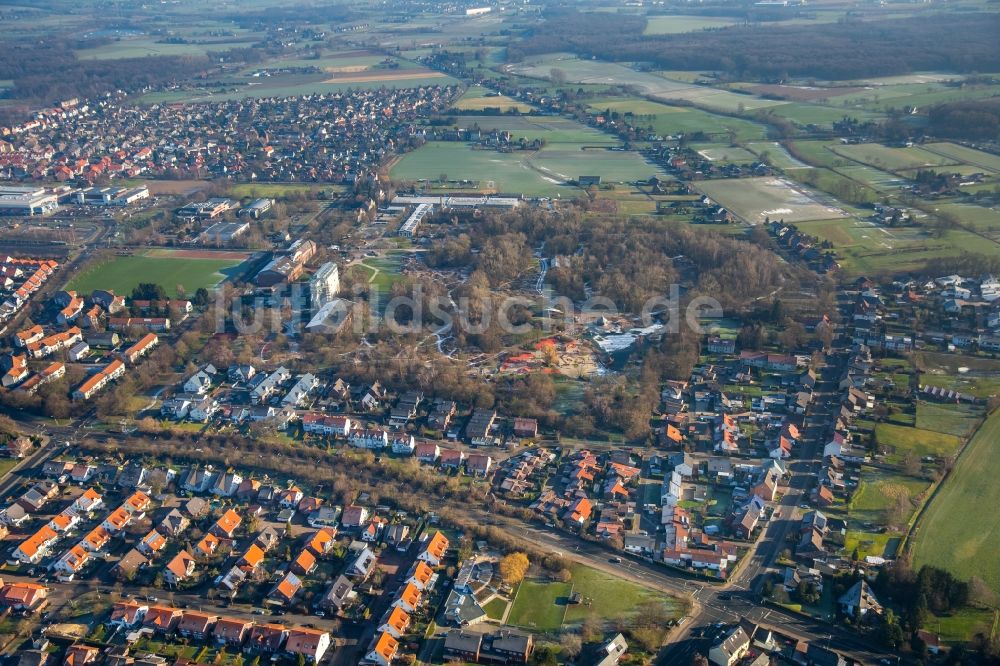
(960, 529)
(755, 199)
(171, 269)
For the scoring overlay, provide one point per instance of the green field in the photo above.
(540, 605)
(891, 159)
(947, 536)
(970, 156)
(959, 420)
(754, 199)
(611, 598)
(915, 440)
(477, 98)
(540, 173)
(864, 248)
(123, 274)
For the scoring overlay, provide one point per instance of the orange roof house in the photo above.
(21, 596)
(421, 575)
(436, 548)
(207, 545)
(304, 563)
(321, 542)
(162, 618)
(384, 651)
(227, 524)
(409, 598)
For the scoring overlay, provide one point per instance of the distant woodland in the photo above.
(835, 51)
(44, 72)
(972, 120)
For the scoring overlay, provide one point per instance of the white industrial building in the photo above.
(112, 196)
(27, 201)
(257, 208)
(324, 285)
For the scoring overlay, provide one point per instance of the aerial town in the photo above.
(440, 332)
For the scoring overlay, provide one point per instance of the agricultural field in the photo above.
(541, 173)
(754, 199)
(969, 156)
(140, 46)
(477, 98)
(864, 248)
(668, 120)
(669, 25)
(578, 71)
(717, 153)
(167, 268)
(945, 537)
(891, 159)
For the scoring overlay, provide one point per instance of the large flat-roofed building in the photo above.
(446, 201)
(112, 196)
(257, 208)
(324, 284)
(27, 201)
(410, 225)
(287, 266)
(207, 210)
(224, 232)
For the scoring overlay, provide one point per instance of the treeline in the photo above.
(972, 120)
(44, 72)
(836, 51)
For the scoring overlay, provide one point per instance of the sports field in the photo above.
(754, 199)
(960, 530)
(190, 269)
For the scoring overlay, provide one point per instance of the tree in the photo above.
(570, 644)
(513, 567)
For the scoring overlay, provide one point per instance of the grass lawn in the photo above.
(961, 627)
(611, 598)
(919, 441)
(7, 464)
(960, 530)
(123, 274)
(540, 605)
(495, 608)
